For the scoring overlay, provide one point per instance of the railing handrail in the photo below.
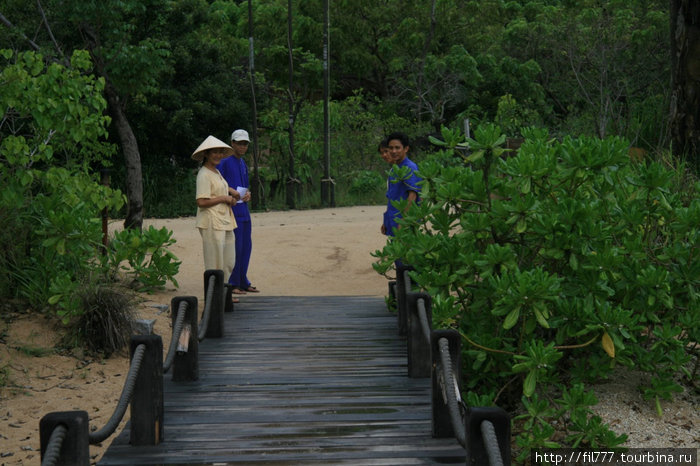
(124, 399)
(488, 432)
(478, 434)
(177, 331)
(450, 391)
(208, 305)
(55, 427)
(58, 428)
(53, 448)
(423, 318)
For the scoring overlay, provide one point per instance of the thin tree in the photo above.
(327, 184)
(257, 186)
(291, 180)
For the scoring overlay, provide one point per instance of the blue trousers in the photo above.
(244, 246)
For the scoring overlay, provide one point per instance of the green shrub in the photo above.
(365, 181)
(54, 133)
(150, 264)
(556, 264)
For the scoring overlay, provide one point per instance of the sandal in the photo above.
(235, 300)
(238, 291)
(252, 289)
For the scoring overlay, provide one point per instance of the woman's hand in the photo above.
(235, 195)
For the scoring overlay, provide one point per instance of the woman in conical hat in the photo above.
(215, 219)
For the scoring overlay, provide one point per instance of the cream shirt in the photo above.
(220, 216)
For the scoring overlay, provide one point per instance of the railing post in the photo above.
(476, 443)
(392, 292)
(215, 327)
(147, 398)
(228, 298)
(75, 450)
(442, 424)
(418, 341)
(186, 364)
(401, 295)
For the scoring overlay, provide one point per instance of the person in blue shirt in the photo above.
(403, 189)
(235, 172)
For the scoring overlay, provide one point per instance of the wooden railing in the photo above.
(484, 432)
(65, 436)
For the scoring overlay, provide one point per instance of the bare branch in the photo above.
(48, 29)
(7, 23)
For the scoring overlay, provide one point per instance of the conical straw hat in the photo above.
(211, 143)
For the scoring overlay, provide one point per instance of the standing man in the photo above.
(235, 171)
(399, 189)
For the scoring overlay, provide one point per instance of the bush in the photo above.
(150, 263)
(53, 133)
(106, 323)
(556, 264)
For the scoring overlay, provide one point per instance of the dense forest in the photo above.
(557, 261)
(176, 71)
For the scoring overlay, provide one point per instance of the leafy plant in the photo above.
(52, 133)
(150, 264)
(556, 264)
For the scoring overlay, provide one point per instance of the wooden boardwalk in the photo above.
(298, 381)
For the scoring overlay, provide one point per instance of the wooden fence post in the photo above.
(475, 448)
(401, 296)
(215, 326)
(186, 364)
(147, 399)
(228, 298)
(418, 346)
(75, 450)
(442, 424)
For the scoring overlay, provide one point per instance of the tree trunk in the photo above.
(132, 159)
(685, 90)
(291, 180)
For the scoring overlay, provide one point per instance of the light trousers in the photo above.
(219, 248)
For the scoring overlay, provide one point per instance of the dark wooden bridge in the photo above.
(298, 381)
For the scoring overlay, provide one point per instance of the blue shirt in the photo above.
(235, 172)
(398, 190)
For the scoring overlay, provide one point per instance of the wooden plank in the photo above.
(298, 380)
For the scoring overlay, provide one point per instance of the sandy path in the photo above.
(296, 253)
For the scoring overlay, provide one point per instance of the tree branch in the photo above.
(7, 23)
(48, 29)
